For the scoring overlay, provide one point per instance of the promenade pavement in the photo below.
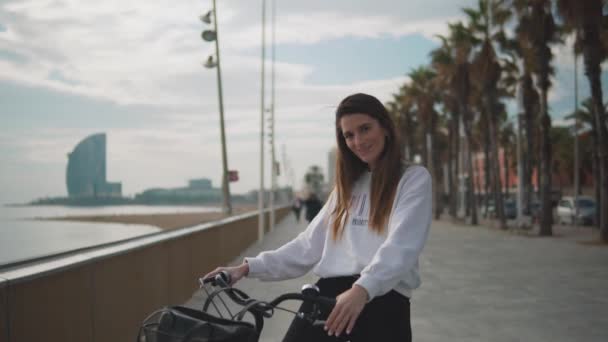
(482, 284)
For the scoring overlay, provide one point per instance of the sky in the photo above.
(133, 69)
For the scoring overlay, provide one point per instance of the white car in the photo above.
(566, 210)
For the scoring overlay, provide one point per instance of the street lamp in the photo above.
(262, 105)
(273, 165)
(210, 36)
(576, 149)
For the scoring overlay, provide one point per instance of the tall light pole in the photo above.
(576, 152)
(273, 169)
(209, 36)
(462, 184)
(520, 167)
(520, 175)
(262, 123)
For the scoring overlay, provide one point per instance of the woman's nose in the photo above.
(357, 139)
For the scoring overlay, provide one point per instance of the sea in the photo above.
(22, 237)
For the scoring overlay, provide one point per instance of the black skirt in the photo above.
(384, 318)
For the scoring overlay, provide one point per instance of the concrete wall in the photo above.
(3, 311)
(104, 295)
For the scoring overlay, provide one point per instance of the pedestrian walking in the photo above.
(296, 207)
(365, 242)
(313, 206)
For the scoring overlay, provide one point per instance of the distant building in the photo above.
(198, 191)
(86, 171)
(202, 183)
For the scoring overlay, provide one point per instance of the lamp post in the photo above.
(273, 169)
(210, 36)
(576, 149)
(520, 175)
(262, 123)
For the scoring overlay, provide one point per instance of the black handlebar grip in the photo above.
(329, 303)
(223, 279)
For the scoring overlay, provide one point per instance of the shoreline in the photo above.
(168, 221)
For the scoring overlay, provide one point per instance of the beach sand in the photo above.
(165, 221)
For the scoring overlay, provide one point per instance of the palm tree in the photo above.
(402, 108)
(531, 106)
(488, 74)
(407, 125)
(542, 32)
(462, 41)
(442, 61)
(507, 140)
(586, 19)
(481, 133)
(422, 90)
(586, 117)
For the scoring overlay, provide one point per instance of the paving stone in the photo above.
(481, 284)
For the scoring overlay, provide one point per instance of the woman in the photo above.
(365, 242)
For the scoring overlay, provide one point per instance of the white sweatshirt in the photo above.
(385, 261)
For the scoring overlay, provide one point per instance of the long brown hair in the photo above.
(349, 167)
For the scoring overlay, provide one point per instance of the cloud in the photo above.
(152, 54)
(313, 28)
(148, 54)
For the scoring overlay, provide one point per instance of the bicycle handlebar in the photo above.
(327, 302)
(310, 293)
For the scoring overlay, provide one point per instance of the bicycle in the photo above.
(182, 324)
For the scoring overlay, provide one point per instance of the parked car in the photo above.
(534, 210)
(566, 210)
(510, 209)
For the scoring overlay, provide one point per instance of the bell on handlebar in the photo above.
(310, 290)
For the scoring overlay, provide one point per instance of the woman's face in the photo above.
(364, 136)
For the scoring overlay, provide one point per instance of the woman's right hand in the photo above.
(236, 272)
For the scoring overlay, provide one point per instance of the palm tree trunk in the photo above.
(453, 165)
(505, 168)
(425, 152)
(591, 42)
(471, 191)
(546, 217)
(439, 187)
(486, 171)
(527, 181)
(457, 163)
(595, 165)
(528, 94)
(593, 72)
(596, 182)
(495, 165)
(602, 149)
(406, 132)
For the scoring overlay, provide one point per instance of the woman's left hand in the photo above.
(348, 307)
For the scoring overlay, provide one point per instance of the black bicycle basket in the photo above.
(182, 324)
